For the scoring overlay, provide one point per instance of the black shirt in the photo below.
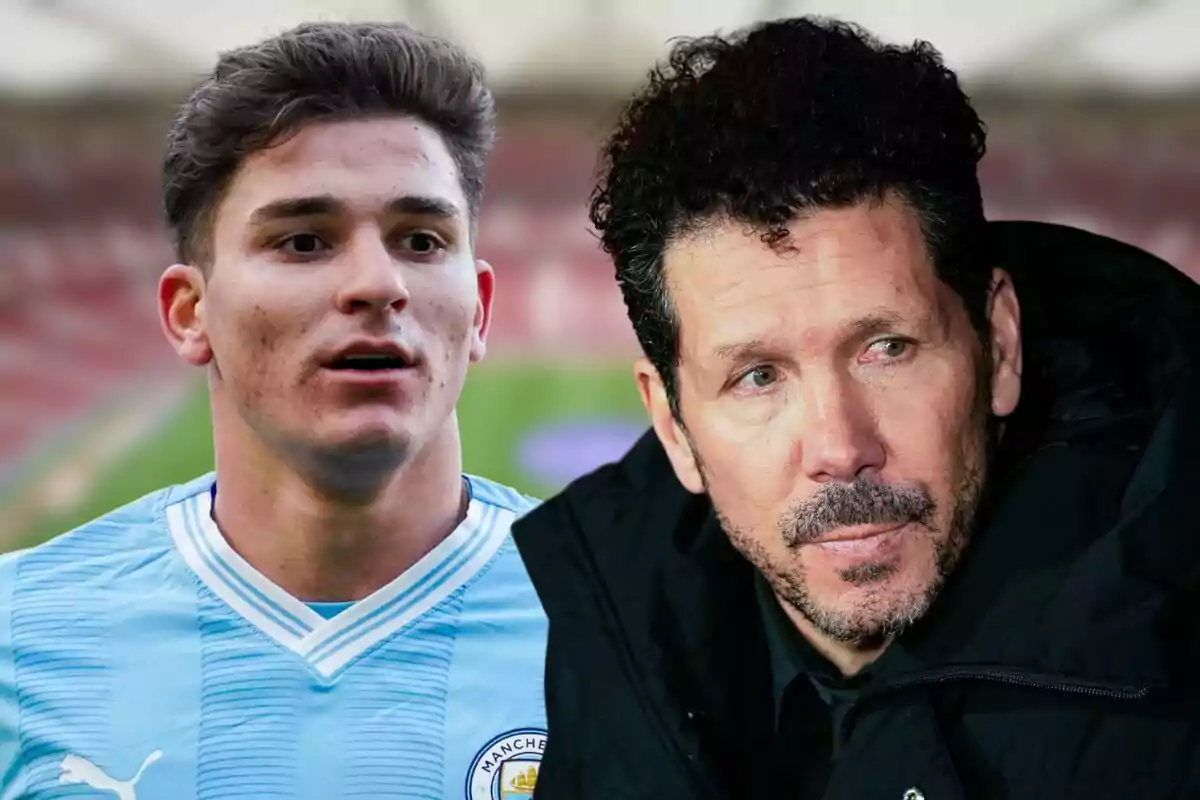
(811, 698)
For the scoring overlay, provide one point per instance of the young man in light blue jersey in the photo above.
(338, 611)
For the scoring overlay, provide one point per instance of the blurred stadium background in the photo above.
(1093, 107)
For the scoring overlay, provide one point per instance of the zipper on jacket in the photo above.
(1017, 678)
(992, 675)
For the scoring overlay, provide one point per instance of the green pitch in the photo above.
(502, 403)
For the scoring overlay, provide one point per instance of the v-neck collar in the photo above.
(328, 645)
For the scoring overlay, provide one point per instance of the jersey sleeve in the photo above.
(10, 746)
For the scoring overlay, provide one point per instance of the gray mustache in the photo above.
(841, 505)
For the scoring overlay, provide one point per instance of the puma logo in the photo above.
(76, 769)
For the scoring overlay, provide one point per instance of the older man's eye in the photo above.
(890, 349)
(760, 377)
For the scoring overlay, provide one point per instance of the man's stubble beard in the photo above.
(882, 612)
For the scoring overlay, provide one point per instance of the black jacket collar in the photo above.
(1088, 552)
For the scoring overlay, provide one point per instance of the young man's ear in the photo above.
(181, 313)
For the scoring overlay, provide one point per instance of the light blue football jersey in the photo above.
(141, 658)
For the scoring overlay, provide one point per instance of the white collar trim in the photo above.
(330, 645)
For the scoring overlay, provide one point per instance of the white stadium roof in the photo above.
(71, 46)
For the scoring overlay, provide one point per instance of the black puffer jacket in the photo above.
(1061, 661)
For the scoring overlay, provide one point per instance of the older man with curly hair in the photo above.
(914, 518)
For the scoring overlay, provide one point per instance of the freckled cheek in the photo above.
(445, 325)
(450, 323)
(265, 342)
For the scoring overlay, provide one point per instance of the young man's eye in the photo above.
(304, 244)
(423, 243)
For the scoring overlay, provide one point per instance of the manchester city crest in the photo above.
(506, 768)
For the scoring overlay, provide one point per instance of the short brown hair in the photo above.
(260, 94)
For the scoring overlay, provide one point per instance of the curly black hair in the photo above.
(776, 120)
